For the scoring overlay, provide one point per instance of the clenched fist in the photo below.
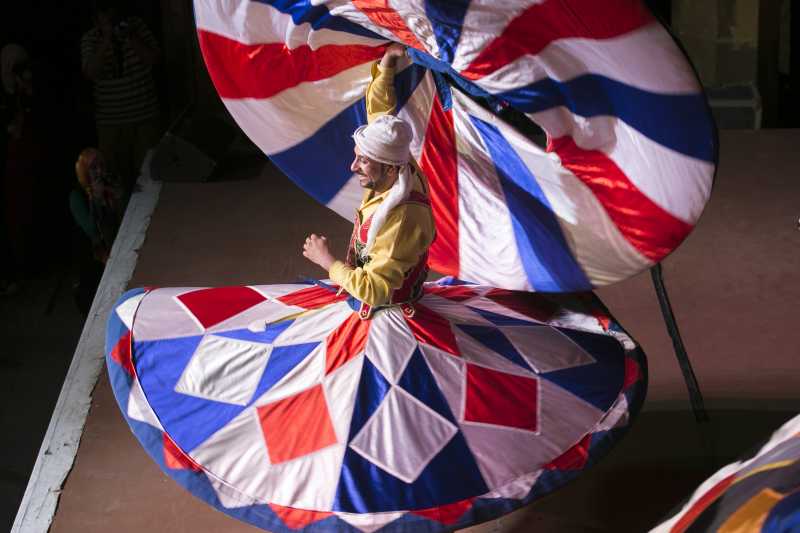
(315, 249)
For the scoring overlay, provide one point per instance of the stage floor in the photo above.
(733, 285)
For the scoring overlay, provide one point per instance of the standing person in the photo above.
(118, 55)
(386, 262)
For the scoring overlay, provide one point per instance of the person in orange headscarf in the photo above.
(97, 208)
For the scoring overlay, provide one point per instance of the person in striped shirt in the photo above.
(118, 55)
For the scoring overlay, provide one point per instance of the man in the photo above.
(387, 256)
(118, 54)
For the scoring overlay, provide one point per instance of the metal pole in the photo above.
(695, 396)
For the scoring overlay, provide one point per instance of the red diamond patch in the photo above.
(297, 425)
(215, 305)
(501, 399)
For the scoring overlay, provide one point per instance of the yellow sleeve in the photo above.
(403, 238)
(381, 99)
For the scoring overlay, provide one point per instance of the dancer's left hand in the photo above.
(316, 250)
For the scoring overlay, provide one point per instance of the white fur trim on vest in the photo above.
(399, 192)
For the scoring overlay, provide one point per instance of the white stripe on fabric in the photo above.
(679, 184)
(409, 10)
(646, 58)
(346, 10)
(485, 232)
(483, 22)
(413, 14)
(255, 23)
(139, 408)
(127, 309)
(276, 124)
(340, 389)
(162, 316)
(597, 244)
(369, 522)
(417, 112)
(345, 202)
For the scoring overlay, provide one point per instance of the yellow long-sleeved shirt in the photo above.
(408, 230)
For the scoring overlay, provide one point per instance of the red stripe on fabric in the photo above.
(121, 353)
(573, 459)
(633, 373)
(457, 293)
(346, 342)
(439, 162)
(298, 518)
(175, 459)
(431, 328)
(541, 24)
(263, 70)
(702, 504)
(533, 305)
(648, 227)
(446, 514)
(382, 14)
(311, 298)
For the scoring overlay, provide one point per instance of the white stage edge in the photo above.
(60, 443)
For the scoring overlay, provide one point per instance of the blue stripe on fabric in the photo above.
(785, 515)
(446, 18)
(680, 122)
(302, 11)
(269, 334)
(320, 165)
(545, 255)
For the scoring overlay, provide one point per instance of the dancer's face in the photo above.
(372, 174)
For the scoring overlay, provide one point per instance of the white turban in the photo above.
(386, 140)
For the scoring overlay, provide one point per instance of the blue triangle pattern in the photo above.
(451, 476)
(418, 381)
(282, 360)
(494, 339)
(501, 320)
(372, 388)
(598, 383)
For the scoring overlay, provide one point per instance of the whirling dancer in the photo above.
(400, 406)
(387, 257)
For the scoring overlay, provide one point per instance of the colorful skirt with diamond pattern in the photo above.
(279, 406)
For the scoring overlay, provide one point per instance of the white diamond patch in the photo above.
(394, 440)
(224, 370)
